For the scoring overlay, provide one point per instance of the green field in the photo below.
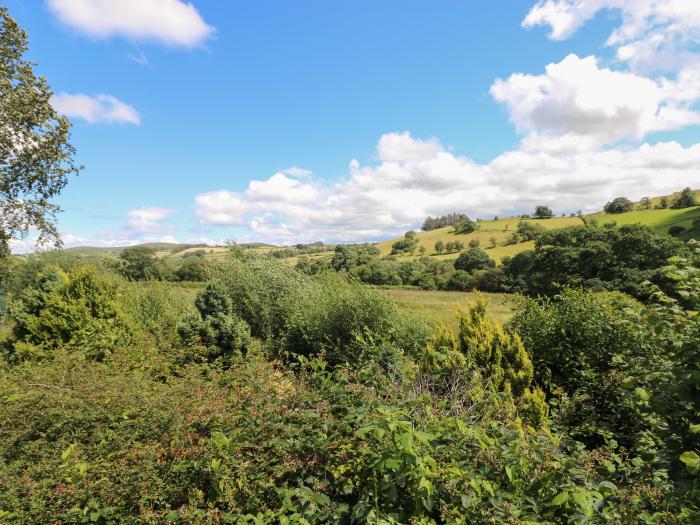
(441, 306)
(499, 229)
(660, 220)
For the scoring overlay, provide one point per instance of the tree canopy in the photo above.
(36, 156)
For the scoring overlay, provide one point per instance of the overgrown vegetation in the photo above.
(273, 396)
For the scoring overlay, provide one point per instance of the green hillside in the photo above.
(658, 219)
(499, 229)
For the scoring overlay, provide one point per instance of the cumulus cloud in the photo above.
(576, 104)
(148, 220)
(96, 109)
(172, 22)
(653, 34)
(399, 190)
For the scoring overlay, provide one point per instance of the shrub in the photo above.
(216, 332)
(585, 345)
(676, 230)
(77, 310)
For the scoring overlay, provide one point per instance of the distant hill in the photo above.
(166, 250)
(658, 219)
(500, 230)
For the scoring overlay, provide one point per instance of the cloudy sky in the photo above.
(301, 120)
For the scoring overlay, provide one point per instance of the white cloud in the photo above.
(652, 35)
(171, 22)
(148, 219)
(391, 196)
(578, 105)
(96, 109)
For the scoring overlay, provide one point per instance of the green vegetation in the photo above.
(36, 157)
(272, 396)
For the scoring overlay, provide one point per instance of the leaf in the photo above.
(692, 462)
(509, 473)
(642, 394)
(220, 439)
(68, 452)
(560, 499)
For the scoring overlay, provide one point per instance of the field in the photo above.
(441, 306)
(499, 229)
(660, 220)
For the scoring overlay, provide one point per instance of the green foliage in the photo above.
(465, 226)
(36, 157)
(216, 332)
(529, 231)
(76, 310)
(474, 259)
(598, 258)
(406, 245)
(685, 199)
(140, 264)
(433, 223)
(365, 418)
(618, 205)
(193, 269)
(676, 230)
(584, 345)
(298, 315)
(542, 212)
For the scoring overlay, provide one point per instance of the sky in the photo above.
(290, 121)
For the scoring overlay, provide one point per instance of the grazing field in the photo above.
(499, 229)
(660, 220)
(441, 306)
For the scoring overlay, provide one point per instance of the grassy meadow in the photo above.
(441, 306)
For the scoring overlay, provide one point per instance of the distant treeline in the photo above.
(451, 219)
(301, 249)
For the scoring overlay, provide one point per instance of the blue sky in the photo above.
(290, 121)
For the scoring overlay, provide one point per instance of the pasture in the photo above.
(441, 306)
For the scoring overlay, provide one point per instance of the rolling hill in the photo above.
(658, 219)
(499, 230)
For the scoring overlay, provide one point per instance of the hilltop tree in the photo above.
(663, 203)
(542, 212)
(685, 199)
(36, 156)
(645, 203)
(433, 223)
(466, 226)
(618, 205)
